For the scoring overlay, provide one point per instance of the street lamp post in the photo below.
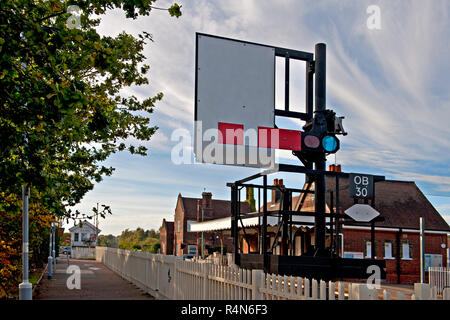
(53, 245)
(25, 288)
(50, 258)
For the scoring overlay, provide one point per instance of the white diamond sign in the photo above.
(362, 212)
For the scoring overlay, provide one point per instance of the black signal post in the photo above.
(320, 162)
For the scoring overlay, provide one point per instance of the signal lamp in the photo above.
(312, 141)
(330, 143)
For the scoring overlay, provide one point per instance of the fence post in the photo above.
(360, 292)
(349, 291)
(323, 290)
(314, 289)
(257, 284)
(175, 279)
(331, 291)
(205, 271)
(433, 293)
(341, 291)
(446, 294)
(422, 291)
(285, 287)
(306, 292)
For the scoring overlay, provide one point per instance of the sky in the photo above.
(391, 83)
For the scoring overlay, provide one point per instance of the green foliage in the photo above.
(156, 246)
(139, 240)
(251, 199)
(108, 241)
(175, 10)
(11, 241)
(62, 241)
(62, 111)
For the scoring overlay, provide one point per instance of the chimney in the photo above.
(206, 200)
(276, 194)
(335, 168)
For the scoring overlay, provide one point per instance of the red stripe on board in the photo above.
(279, 138)
(231, 133)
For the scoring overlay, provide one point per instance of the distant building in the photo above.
(190, 210)
(166, 237)
(84, 234)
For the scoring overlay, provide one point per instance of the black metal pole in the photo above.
(319, 199)
(309, 89)
(286, 83)
(338, 217)
(259, 221)
(331, 223)
(284, 236)
(397, 253)
(291, 234)
(234, 226)
(264, 226)
(372, 240)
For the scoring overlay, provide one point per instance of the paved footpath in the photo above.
(97, 283)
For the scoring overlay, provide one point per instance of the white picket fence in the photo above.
(439, 277)
(169, 277)
(82, 253)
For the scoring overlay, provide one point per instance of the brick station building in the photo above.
(400, 203)
(190, 210)
(166, 237)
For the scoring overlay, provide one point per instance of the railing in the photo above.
(169, 277)
(439, 277)
(82, 253)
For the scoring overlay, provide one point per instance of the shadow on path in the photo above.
(97, 283)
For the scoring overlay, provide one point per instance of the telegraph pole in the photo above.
(96, 225)
(53, 245)
(50, 257)
(25, 292)
(422, 249)
(320, 162)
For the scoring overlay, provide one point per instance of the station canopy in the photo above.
(225, 223)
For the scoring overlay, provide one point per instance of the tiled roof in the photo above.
(401, 203)
(168, 226)
(220, 208)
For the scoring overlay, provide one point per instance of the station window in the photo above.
(388, 250)
(406, 251)
(368, 248)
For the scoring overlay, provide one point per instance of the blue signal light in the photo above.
(329, 143)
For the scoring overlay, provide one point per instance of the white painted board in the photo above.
(235, 83)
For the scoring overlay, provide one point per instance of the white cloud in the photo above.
(391, 85)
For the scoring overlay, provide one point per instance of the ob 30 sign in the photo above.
(361, 186)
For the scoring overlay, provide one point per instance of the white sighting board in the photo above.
(235, 85)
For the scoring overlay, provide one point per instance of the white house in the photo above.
(83, 234)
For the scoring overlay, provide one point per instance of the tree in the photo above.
(108, 241)
(11, 241)
(139, 240)
(251, 198)
(62, 110)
